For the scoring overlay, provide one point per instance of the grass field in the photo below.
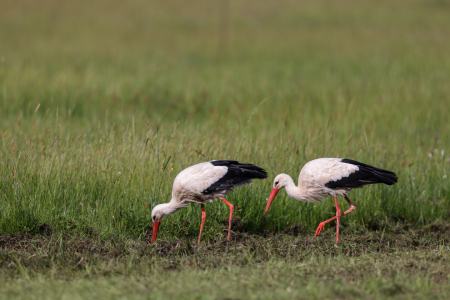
(103, 104)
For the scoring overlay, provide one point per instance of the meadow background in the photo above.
(103, 103)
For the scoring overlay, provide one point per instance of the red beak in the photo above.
(271, 197)
(155, 230)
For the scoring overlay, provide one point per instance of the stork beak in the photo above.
(271, 197)
(155, 230)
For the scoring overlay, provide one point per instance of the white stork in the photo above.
(330, 177)
(204, 182)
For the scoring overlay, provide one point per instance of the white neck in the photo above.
(292, 190)
(169, 208)
(300, 192)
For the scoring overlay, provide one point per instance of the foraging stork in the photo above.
(330, 177)
(204, 182)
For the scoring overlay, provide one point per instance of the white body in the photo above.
(313, 178)
(191, 182)
(189, 185)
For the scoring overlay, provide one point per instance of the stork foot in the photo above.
(320, 229)
(337, 217)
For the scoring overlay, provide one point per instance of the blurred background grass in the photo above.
(103, 103)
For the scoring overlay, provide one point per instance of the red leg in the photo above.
(203, 222)
(231, 206)
(338, 218)
(338, 215)
(352, 206)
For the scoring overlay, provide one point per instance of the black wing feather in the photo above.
(236, 174)
(365, 175)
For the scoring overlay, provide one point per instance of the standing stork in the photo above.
(204, 182)
(330, 177)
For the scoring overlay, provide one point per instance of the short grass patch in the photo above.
(399, 262)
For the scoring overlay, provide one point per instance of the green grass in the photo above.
(399, 263)
(103, 104)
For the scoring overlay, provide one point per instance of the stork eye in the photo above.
(276, 183)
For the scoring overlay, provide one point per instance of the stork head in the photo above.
(278, 183)
(159, 212)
